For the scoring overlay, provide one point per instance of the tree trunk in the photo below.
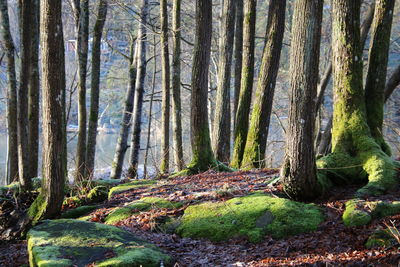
(392, 83)
(48, 203)
(95, 87)
(222, 120)
(254, 152)
(12, 105)
(139, 88)
(299, 175)
(355, 153)
(176, 86)
(246, 87)
(122, 142)
(165, 87)
(82, 31)
(238, 57)
(377, 69)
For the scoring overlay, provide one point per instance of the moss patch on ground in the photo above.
(382, 238)
(360, 212)
(77, 243)
(78, 212)
(128, 186)
(250, 216)
(144, 204)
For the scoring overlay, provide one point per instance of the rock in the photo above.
(129, 186)
(77, 243)
(381, 238)
(78, 212)
(98, 194)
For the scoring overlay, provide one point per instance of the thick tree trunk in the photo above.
(139, 88)
(222, 120)
(95, 87)
(82, 31)
(238, 57)
(122, 142)
(48, 203)
(246, 87)
(164, 167)
(176, 86)
(12, 105)
(299, 175)
(254, 152)
(355, 153)
(377, 69)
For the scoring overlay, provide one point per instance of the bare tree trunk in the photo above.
(139, 88)
(254, 152)
(246, 88)
(222, 119)
(392, 83)
(82, 31)
(122, 142)
(238, 57)
(12, 105)
(165, 87)
(176, 86)
(95, 87)
(299, 173)
(48, 203)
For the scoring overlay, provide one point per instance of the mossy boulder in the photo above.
(144, 204)
(77, 243)
(250, 216)
(78, 212)
(360, 212)
(381, 239)
(129, 186)
(97, 194)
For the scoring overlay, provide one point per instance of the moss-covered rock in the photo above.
(97, 194)
(250, 216)
(128, 186)
(360, 212)
(77, 243)
(381, 238)
(78, 212)
(143, 204)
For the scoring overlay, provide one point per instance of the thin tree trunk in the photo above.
(82, 31)
(254, 152)
(377, 69)
(238, 57)
(222, 119)
(246, 88)
(176, 86)
(48, 203)
(12, 105)
(139, 88)
(165, 87)
(122, 142)
(299, 173)
(392, 83)
(95, 87)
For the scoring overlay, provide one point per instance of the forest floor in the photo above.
(333, 244)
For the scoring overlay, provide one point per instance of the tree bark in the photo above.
(48, 204)
(164, 168)
(122, 142)
(392, 83)
(238, 54)
(95, 87)
(139, 88)
(12, 103)
(377, 69)
(299, 175)
(176, 86)
(222, 120)
(246, 87)
(254, 152)
(82, 31)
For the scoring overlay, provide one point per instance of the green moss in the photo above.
(381, 238)
(37, 208)
(251, 216)
(129, 186)
(77, 243)
(78, 212)
(74, 201)
(353, 216)
(98, 194)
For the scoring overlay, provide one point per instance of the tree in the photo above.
(355, 153)
(259, 124)
(238, 56)
(95, 86)
(246, 87)
(164, 168)
(48, 203)
(299, 174)
(139, 90)
(222, 119)
(12, 106)
(176, 86)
